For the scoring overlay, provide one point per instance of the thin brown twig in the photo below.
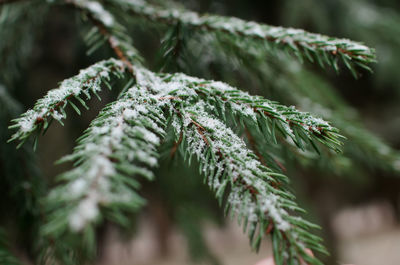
(112, 42)
(176, 145)
(106, 33)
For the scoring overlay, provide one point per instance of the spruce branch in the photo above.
(268, 116)
(129, 130)
(299, 126)
(257, 194)
(210, 121)
(314, 47)
(53, 105)
(120, 143)
(254, 192)
(107, 29)
(287, 81)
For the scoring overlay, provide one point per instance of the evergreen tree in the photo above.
(168, 109)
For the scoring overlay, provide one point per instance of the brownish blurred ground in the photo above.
(229, 244)
(367, 235)
(375, 249)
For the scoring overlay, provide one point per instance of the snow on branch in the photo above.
(315, 47)
(52, 106)
(255, 194)
(122, 142)
(107, 29)
(222, 99)
(265, 114)
(119, 144)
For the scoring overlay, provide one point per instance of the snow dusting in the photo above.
(286, 36)
(97, 10)
(124, 131)
(53, 103)
(241, 167)
(123, 139)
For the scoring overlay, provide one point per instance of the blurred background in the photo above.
(354, 197)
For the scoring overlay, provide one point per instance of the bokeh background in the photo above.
(358, 207)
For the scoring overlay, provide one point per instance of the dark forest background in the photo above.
(59, 52)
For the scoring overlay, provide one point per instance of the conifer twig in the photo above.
(53, 105)
(121, 142)
(314, 47)
(255, 195)
(106, 24)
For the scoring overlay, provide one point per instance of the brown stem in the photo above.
(106, 33)
(112, 42)
(176, 145)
